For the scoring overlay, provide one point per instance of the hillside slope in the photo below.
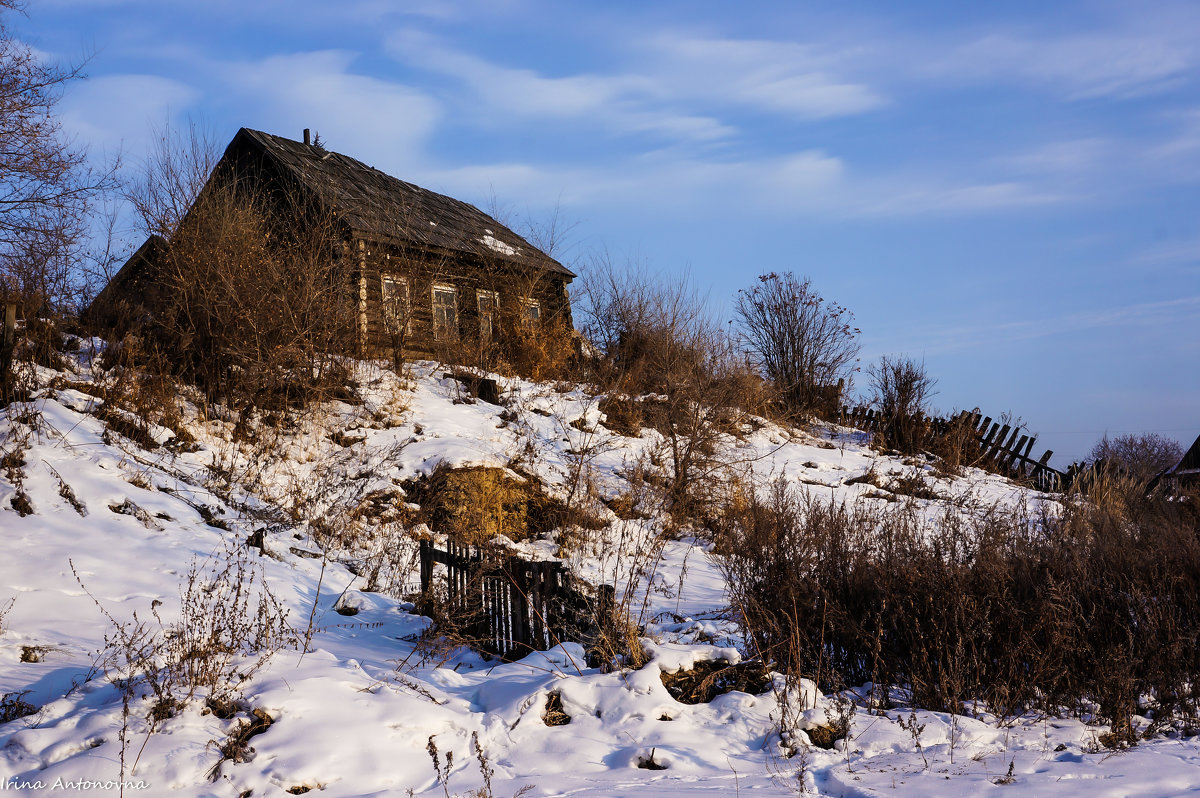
(116, 528)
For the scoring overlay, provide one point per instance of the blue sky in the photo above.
(1008, 190)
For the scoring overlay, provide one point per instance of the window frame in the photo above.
(447, 331)
(530, 321)
(491, 316)
(386, 302)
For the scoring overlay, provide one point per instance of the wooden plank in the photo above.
(522, 635)
(1011, 460)
(516, 606)
(996, 443)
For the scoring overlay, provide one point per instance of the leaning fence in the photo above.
(510, 607)
(993, 445)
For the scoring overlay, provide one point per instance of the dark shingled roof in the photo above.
(1190, 463)
(385, 208)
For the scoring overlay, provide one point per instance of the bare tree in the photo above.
(901, 390)
(46, 183)
(250, 293)
(656, 340)
(801, 342)
(1141, 455)
(171, 177)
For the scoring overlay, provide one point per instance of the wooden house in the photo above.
(429, 275)
(1186, 473)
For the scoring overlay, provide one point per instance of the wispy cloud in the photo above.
(1186, 140)
(906, 196)
(678, 86)
(1185, 252)
(1082, 67)
(673, 185)
(144, 100)
(1109, 51)
(378, 119)
(1071, 156)
(784, 77)
(1180, 313)
(626, 102)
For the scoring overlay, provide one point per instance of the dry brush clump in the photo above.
(229, 626)
(901, 389)
(1137, 458)
(805, 345)
(1087, 610)
(666, 363)
(250, 304)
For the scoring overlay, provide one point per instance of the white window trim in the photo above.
(527, 321)
(493, 314)
(450, 334)
(383, 300)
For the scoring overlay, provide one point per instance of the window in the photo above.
(532, 315)
(489, 305)
(445, 313)
(396, 304)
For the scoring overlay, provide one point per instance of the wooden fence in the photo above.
(988, 444)
(510, 607)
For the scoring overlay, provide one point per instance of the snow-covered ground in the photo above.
(115, 528)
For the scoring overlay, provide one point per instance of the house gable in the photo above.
(392, 233)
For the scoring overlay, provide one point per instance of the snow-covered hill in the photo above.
(109, 544)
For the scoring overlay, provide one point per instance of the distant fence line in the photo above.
(990, 444)
(510, 607)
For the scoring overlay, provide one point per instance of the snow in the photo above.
(356, 713)
(490, 241)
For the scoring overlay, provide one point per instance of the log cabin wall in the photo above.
(378, 225)
(421, 270)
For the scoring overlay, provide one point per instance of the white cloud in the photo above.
(622, 102)
(1180, 252)
(144, 102)
(778, 76)
(1058, 157)
(1180, 313)
(798, 181)
(1186, 141)
(1146, 52)
(670, 85)
(900, 196)
(362, 116)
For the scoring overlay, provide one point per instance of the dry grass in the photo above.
(1098, 606)
(704, 681)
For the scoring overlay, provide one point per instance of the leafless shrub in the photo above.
(803, 343)
(538, 351)
(1139, 456)
(250, 288)
(443, 766)
(958, 446)
(230, 625)
(1043, 613)
(901, 391)
(659, 346)
(135, 377)
(4, 610)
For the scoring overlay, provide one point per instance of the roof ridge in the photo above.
(372, 201)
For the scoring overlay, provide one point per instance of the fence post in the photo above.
(8, 343)
(426, 565)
